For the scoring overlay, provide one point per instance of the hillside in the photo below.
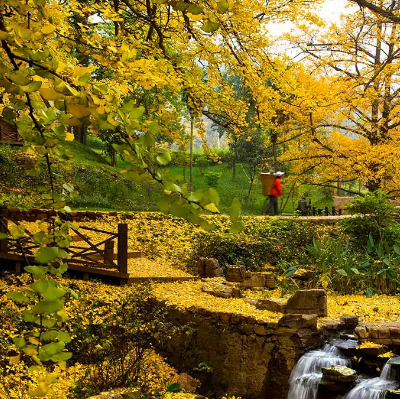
(102, 186)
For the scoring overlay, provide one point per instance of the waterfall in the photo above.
(375, 388)
(307, 373)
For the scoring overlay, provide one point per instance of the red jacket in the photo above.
(276, 189)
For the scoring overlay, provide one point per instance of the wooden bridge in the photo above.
(87, 256)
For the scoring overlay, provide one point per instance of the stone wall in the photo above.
(249, 358)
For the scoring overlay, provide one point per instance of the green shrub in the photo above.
(202, 162)
(373, 214)
(117, 346)
(212, 178)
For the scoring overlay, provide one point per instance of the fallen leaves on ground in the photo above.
(142, 267)
(187, 294)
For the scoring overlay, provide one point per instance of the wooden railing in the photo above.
(84, 253)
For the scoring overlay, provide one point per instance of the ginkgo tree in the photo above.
(47, 91)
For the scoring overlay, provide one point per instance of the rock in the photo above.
(337, 379)
(349, 322)
(188, 383)
(386, 333)
(339, 373)
(220, 291)
(237, 274)
(373, 351)
(308, 302)
(303, 274)
(261, 280)
(271, 305)
(298, 321)
(209, 267)
(393, 394)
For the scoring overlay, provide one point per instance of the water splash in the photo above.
(307, 373)
(375, 388)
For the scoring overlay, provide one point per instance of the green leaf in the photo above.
(235, 210)
(154, 128)
(222, 6)
(396, 249)
(19, 342)
(64, 337)
(3, 236)
(84, 79)
(354, 270)
(61, 357)
(17, 297)
(207, 226)
(179, 5)
(136, 113)
(174, 387)
(370, 292)
(49, 306)
(212, 208)
(210, 26)
(237, 227)
(36, 270)
(47, 255)
(370, 243)
(49, 335)
(40, 286)
(195, 9)
(169, 186)
(32, 87)
(164, 158)
(148, 139)
(53, 293)
(342, 272)
(46, 322)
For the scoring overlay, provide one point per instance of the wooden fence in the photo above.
(86, 254)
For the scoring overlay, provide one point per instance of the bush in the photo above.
(117, 345)
(261, 242)
(375, 215)
(212, 178)
(202, 162)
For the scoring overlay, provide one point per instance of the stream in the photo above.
(306, 378)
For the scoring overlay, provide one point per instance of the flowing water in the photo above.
(375, 388)
(307, 374)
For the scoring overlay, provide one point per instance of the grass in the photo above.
(101, 187)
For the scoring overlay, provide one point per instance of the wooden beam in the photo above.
(123, 248)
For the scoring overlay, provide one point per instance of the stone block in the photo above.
(350, 322)
(308, 302)
(237, 274)
(361, 332)
(208, 268)
(297, 321)
(220, 291)
(271, 305)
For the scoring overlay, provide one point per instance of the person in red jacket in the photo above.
(276, 191)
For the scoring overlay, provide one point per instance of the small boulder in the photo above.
(209, 268)
(337, 378)
(308, 302)
(188, 383)
(237, 274)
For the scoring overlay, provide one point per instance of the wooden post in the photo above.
(108, 251)
(3, 228)
(123, 247)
